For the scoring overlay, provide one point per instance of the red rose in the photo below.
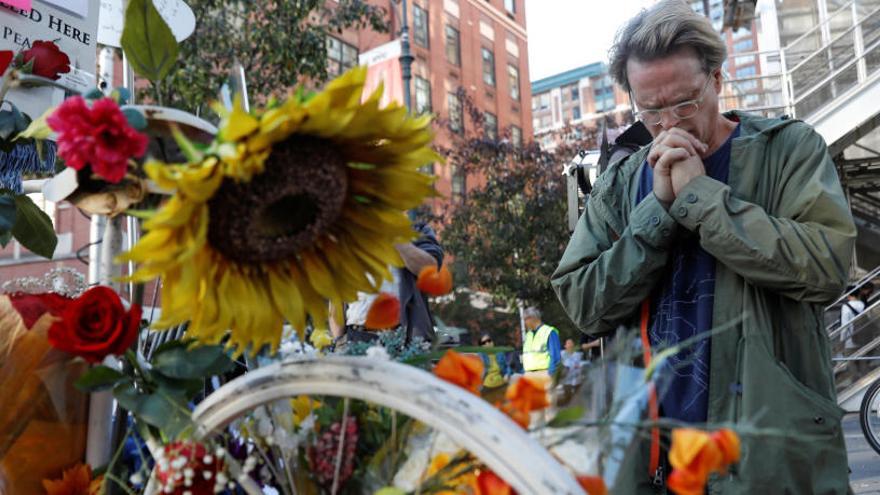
(49, 61)
(5, 58)
(99, 136)
(95, 325)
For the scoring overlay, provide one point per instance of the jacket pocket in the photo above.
(796, 445)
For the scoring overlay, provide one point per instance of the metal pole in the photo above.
(98, 444)
(406, 58)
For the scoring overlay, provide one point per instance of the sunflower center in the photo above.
(295, 200)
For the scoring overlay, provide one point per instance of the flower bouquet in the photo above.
(46, 341)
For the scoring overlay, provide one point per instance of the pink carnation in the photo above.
(99, 136)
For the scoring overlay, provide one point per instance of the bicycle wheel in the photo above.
(869, 416)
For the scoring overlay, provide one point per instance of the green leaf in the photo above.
(7, 124)
(5, 237)
(7, 214)
(199, 362)
(164, 409)
(566, 417)
(135, 119)
(99, 378)
(33, 228)
(148, 41)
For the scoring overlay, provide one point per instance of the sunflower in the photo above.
(290, 208)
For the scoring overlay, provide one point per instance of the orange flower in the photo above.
(384, 313)
(683, 482)
(728, 442)
(435, 282)
(522, 418)
(695, 454)
(528, 394)
(488, 483)
(593, 485)
(464, 371)
(74, 481)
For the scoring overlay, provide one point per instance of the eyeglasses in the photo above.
(484, 342)
(682, 111)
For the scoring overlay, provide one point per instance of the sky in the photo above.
(564, 34)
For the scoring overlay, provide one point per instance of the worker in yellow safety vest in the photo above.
(541, 348)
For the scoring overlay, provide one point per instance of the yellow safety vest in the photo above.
(536, 356)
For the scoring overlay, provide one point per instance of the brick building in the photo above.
(478, 45)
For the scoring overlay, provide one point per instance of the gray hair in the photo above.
(660, 31)
(532, 312)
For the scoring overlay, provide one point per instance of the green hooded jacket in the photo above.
(782, 236)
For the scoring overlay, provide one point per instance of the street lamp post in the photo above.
(406, 58)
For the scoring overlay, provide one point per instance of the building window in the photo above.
(576, 113)
(488, 67)
(543, 101)
(743, 46)
(340, 56)
(420, 26)
(510, 5)
(516, 137)
(490, 125)
(459, 184)
(513, 81)
(455, 116)
(423, 95)
(746, 71)
(453, 45)
(575, 93)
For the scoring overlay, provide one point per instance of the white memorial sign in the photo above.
(74, 35)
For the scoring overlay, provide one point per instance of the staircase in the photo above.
(855, 346)
(829, 76)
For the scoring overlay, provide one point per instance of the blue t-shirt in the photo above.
(681, 308)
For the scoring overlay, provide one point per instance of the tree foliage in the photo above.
(278, 42)
(509, 231)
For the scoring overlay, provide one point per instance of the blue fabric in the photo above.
(24, 159)
(502, 363)
(555, 350)
(681, 308)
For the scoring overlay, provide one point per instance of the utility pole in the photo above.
(406, 58)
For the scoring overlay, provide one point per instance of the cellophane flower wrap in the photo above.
(43, 417)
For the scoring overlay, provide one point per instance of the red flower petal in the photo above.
(99, 136)
(5, 58)
(48, 59)
(384, 313)
(32, 306)
(96, 325)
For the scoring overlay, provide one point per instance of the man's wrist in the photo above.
(665, 204)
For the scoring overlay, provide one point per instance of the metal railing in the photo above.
(816, 70)
(856, 287)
